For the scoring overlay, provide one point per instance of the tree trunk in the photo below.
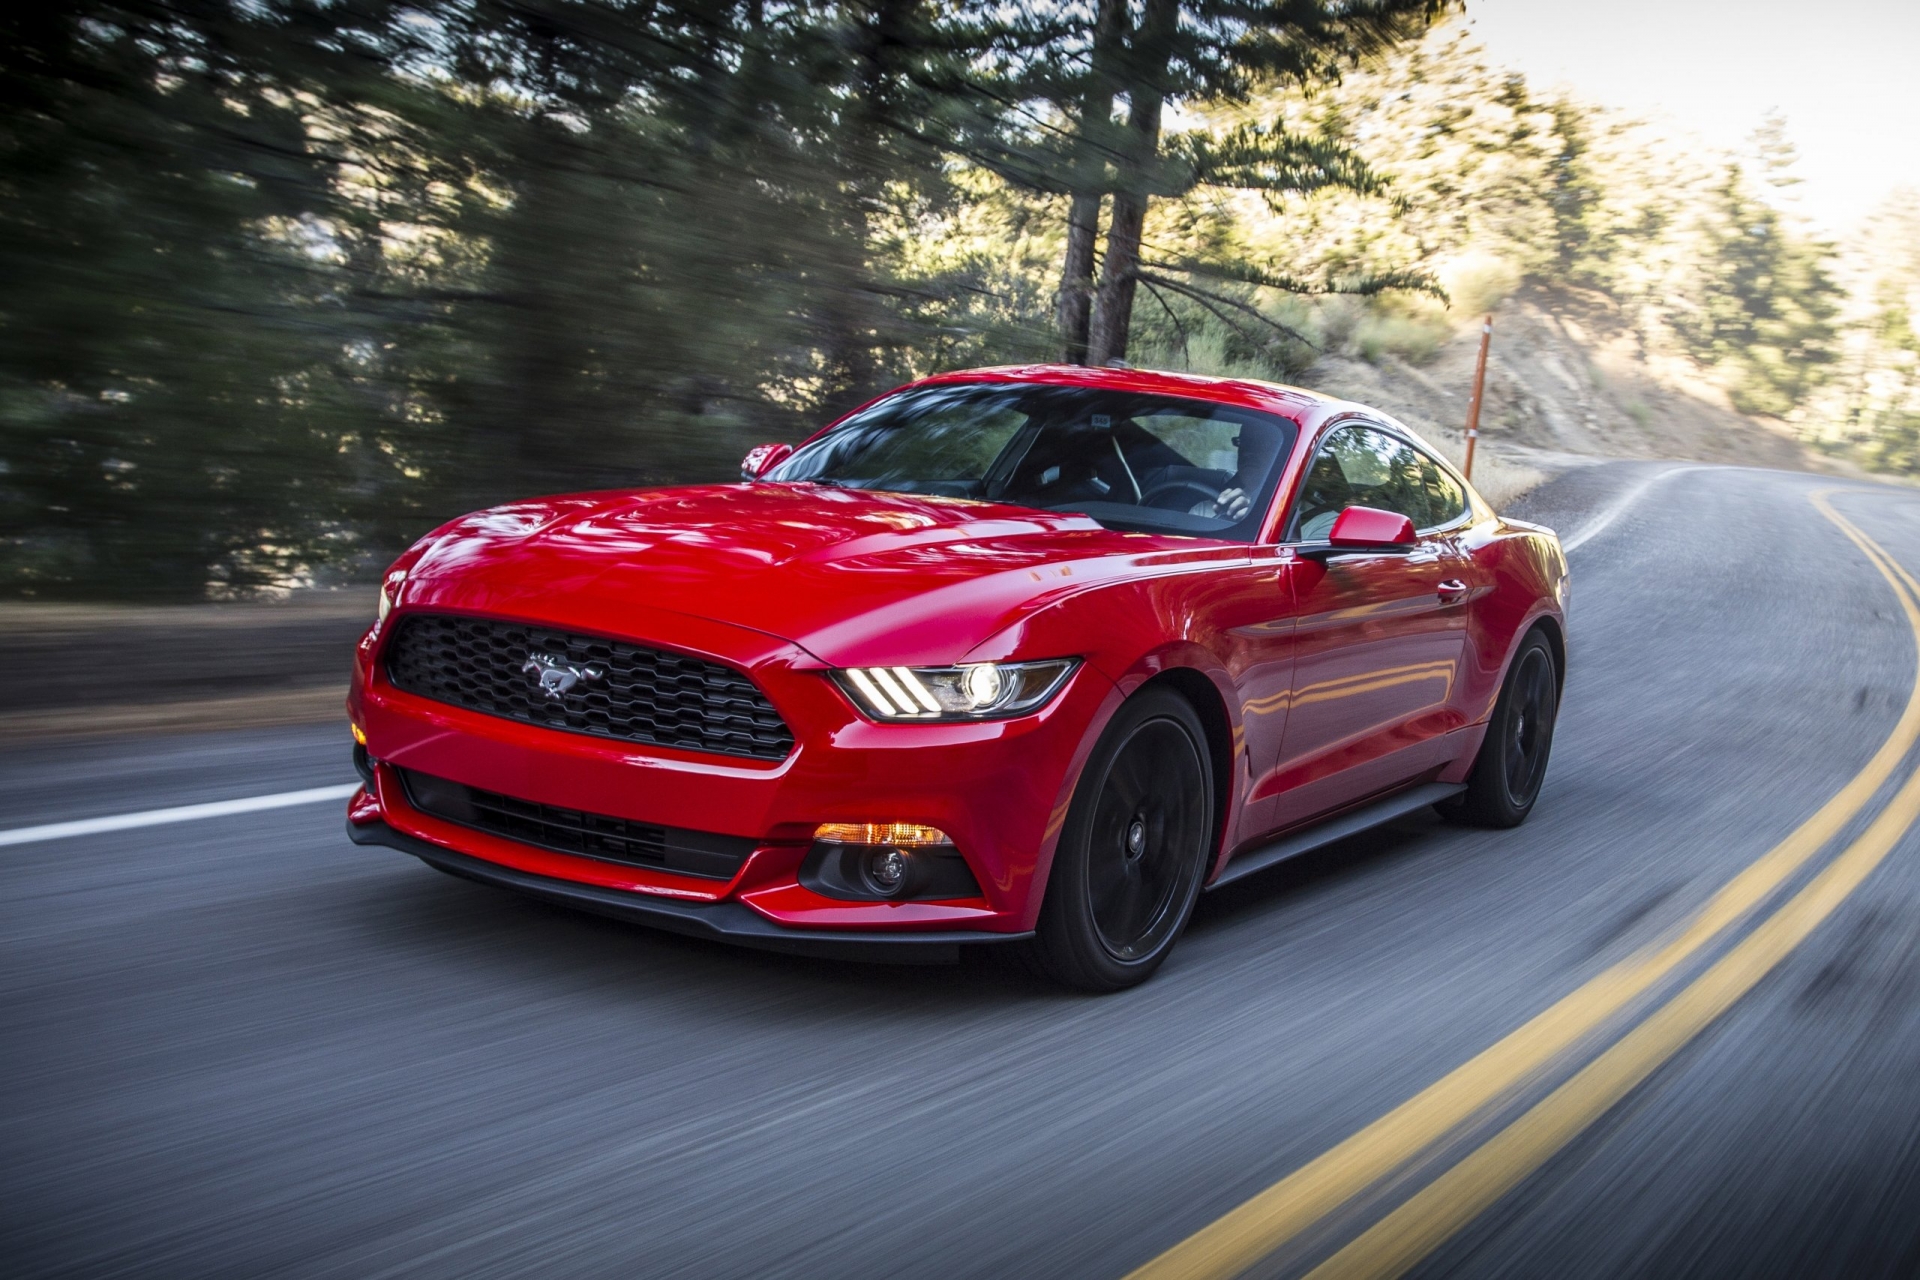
(856, 322)
(1119, 273)
(542, 353)
(1074, 306)
(1113, 305)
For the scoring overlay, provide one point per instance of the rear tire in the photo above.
(1512, 764)
(1133, 850)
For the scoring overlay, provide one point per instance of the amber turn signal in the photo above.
(898, 834)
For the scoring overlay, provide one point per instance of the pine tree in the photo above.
(184, 333)
(292, 280)
(1763, 305)
(1191, 53)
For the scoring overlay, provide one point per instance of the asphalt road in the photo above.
(242, 1046)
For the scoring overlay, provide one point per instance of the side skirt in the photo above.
(1338, 827)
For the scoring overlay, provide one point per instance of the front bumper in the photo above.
(720, 921)
(998, 789)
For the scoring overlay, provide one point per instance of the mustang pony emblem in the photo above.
(558, 676)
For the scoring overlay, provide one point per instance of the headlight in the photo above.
(976, 691)
(389, 591)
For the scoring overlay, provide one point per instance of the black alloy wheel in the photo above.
(1134, 848)
(1512, 763)
(1529, 726)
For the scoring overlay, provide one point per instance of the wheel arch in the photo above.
(1553, 628)
(1199, 690)
(1549, 626)
(1201, 694)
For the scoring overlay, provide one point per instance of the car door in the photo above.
(1379, 636)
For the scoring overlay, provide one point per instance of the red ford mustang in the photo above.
(1026, 655)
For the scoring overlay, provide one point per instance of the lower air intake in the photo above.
(586, 835)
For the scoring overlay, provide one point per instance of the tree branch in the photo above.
(1179, 327)
(1208, 300)
(1364, 286)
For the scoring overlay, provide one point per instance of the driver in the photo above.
(1258, 446)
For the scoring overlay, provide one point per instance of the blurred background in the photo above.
(285, 283)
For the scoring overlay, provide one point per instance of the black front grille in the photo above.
(589, 835)
(632, 692)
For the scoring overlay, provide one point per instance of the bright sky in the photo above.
(1846, 73)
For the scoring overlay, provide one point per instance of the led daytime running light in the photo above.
(976, 691)
(911, 683)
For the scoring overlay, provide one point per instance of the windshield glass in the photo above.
(1152, 463)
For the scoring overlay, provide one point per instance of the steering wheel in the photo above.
(1197, 491)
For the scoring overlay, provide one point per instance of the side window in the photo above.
(1361, 467)
(1446, 500)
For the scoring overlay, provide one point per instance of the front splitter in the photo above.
(720, 921)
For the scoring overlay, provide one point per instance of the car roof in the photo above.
(1303, 406)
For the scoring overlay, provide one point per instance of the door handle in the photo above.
(1452, 591)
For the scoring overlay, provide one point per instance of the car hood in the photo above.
(851, 576)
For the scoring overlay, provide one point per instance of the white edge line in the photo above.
(184, 813)
(1618, 507)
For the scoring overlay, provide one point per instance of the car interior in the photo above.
(1130, 461)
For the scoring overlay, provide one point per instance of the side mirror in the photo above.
(763, 458)
(1366, 529)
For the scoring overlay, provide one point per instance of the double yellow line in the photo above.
(1283, 1211)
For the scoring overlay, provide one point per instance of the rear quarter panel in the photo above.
(1524, 580)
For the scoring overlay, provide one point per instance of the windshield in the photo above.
(1152, 463)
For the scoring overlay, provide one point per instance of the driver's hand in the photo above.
(1232, 504)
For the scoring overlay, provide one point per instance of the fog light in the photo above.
(886, 859)
(888, 870)
(887, 862)
(363, 765)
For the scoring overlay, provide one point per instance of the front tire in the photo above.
(1512, 764)
(1133, 850)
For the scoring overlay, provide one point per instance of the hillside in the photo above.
(1567, 382)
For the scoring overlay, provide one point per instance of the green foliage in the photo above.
(1895, 443)
(284, 283)
(1763, 304)
(1225, 332)
(1492, 182)
(1414, 338)
(288, 282)
(182, 362)
(1183, 55)
(1874, 399)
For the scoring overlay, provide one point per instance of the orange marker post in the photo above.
(1479, 384)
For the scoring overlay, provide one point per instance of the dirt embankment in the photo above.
(84, 670)
(1568, 381)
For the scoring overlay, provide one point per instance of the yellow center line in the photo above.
(1466, 1190)
(1246, 1234)
(1455, 1198)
